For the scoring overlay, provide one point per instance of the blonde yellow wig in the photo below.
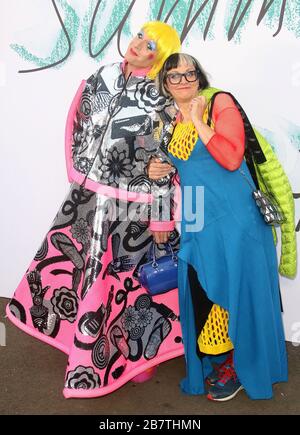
(167, 40)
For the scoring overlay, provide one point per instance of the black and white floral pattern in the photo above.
(129, 318)
(117, 165)
(65, 304)
(148, 97)
(82, 377)
(144, 317)
(81, 231)
(83, 164)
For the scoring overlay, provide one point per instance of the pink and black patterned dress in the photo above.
(80, 294)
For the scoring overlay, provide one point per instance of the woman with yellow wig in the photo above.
(80, 294)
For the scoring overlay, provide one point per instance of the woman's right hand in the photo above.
(157, 169)
(197, 108)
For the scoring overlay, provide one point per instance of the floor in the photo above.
(32, 375)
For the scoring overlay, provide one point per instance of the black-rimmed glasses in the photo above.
(176, 78)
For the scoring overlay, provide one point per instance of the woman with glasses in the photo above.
(228, 280)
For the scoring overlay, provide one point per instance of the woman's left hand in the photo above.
(197, 108)
(160, 236)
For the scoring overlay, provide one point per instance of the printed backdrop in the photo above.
(249, 47)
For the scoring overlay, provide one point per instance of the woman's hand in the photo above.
(197, 108)
(160, 236)
(157, 169)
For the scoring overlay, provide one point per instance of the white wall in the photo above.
(261, 70)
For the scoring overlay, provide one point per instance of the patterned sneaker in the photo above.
(219, 370)
(226, 388)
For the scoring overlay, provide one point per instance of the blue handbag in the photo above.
(160, 274)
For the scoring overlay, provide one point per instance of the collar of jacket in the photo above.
(139, 72)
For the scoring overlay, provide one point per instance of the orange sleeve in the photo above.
(227, 145)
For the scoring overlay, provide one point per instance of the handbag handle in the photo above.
(242, 172)
(168, 248)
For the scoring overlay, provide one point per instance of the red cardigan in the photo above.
(227, 145)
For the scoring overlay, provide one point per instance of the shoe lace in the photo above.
(227, 363)
(228, 373)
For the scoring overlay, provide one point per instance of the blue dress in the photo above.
(236, 263)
